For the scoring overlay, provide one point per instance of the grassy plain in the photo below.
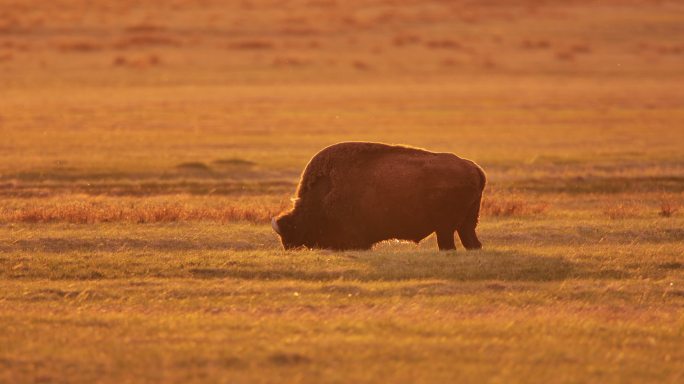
(145, 147)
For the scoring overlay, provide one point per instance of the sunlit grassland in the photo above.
(279, 127)
(563, 300)
(144, 148)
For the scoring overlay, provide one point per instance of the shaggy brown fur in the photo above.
(353, 195)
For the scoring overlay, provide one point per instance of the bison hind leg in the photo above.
(469, 239)
(466, 231)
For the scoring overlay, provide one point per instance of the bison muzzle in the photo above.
(353, 195)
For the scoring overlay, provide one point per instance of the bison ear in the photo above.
(275, 226)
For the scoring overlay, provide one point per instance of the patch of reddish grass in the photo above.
(13, 45)
(299, 31)
(147, 40)
(252, 45)
(361, 65)
(79, 46)
(141, 62)
(158, 212)
(664, 49)
(580, 48)
(535, 44)
(499, 206)
(144, 28)
(450, 63)
(405, 39)
(565, 56)
(443, 44)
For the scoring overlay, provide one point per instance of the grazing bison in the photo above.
(353, 195)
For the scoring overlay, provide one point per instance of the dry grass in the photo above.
(621, 211)
(89, 210)
(83, 209)
(224, 302)
(83, 213)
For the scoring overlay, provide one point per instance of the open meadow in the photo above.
(145, 145)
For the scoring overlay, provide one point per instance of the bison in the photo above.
(355, 194)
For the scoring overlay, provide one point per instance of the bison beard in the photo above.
(353, 195)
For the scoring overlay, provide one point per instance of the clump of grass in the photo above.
(144, 40)
(405, 39)
(488, 63)
(443, 44)
(565, 55)
(535, 44)
(193, 166)
(234, 161)
(119, 61)
(252, 45)
(664, 49)
(513, 206)
(144, 28)
(450, 62)
(288, 358)
(79, 46)
(299, 31)
(580, 48)
(361, 65)
(667, 208)
(290, 62)
(143, 62)
(571, 52)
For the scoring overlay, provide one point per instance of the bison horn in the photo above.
(275, 226)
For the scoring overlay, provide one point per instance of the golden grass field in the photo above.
(146, 144)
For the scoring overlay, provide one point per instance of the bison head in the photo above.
(289, 230)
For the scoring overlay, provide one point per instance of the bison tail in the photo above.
(483, 177)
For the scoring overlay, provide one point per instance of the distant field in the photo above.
(144, 149)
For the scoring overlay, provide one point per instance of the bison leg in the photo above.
(469, 238)
(445, 240)
(467, 229)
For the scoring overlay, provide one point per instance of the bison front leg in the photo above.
(445, 240)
